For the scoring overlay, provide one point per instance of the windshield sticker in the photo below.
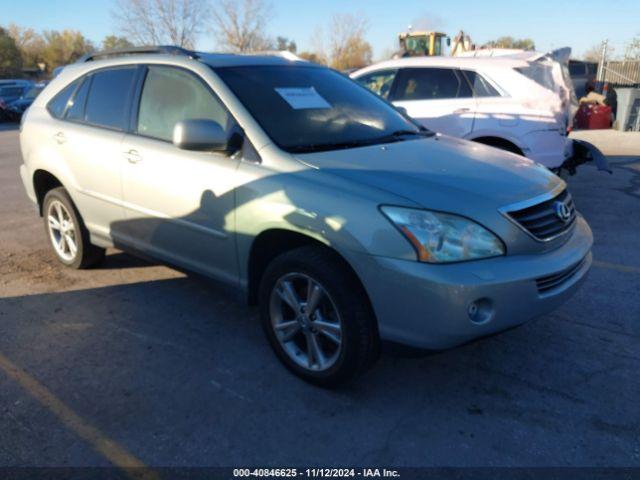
(302, 98)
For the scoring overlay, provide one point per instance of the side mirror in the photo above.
(200, 135)
(402, 110)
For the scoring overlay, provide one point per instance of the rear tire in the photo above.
(67, 233)
(338, 320)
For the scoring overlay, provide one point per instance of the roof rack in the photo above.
(286, 54)
(166, 49)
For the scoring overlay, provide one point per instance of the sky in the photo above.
(551, 24)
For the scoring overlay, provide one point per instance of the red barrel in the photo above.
(593, 116)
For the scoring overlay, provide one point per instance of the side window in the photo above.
(75, 108)
(592, 68)
(465, 90)
(170, 95)
(427, 84)
(576, 69)
(481, 87)
(378, 82)
(58, 103)
(109, 96)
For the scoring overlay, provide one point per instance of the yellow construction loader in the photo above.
(423, 43)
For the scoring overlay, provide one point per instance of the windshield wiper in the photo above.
(319, 147)
(399, 135)
(395, 136)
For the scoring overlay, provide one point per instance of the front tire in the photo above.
(67, 233)
(317, 316)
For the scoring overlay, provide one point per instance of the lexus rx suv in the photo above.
(345, 221)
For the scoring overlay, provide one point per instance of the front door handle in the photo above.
(132, 156)
(60, 137)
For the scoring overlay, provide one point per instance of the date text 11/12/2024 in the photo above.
(315, 472)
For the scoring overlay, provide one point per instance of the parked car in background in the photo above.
(583, 76)
(509, 102)
(11, 90)
(4, 114)
(16, 108)
(342, 218)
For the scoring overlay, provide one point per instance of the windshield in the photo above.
(308, 108)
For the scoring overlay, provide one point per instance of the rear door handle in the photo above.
(60, 137)
(462, 110)
(132, 156)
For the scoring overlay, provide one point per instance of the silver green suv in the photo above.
(345, 221)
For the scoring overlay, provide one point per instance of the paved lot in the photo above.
(135, 362)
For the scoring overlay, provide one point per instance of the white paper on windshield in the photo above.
(302, 98)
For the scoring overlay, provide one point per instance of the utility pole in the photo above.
(603, 59)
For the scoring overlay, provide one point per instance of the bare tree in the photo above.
(156, 22)
(348, 47)
(285, 44)
(239, 25)
(594, 54)
(632, 51)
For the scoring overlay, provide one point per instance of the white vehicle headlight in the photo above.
(442, 237)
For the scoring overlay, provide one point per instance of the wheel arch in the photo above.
(43, 182)
(276, 241)
(499, 142)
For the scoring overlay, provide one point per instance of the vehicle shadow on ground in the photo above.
(177, 358)
(120, 260)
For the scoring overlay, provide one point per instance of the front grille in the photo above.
(542, 221)
(551, 282)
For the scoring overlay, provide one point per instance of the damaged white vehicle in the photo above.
(518, 101)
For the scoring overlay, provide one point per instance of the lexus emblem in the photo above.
(562, 211)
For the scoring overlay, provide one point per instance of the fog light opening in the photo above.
(480, 311)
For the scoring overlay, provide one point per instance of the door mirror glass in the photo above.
(200, 135)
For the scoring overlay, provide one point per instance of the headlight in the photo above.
(441, 237)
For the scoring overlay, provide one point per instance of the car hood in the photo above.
(441, 173)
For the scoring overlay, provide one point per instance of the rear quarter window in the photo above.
(58, 103)
(481, 87)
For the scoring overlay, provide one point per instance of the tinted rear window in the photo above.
(58, 103)
(481, 87)
(109, 96)
(75, 110)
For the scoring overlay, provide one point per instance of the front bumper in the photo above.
(428, 306)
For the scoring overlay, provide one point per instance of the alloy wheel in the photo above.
(306, 322)
(62, 231)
